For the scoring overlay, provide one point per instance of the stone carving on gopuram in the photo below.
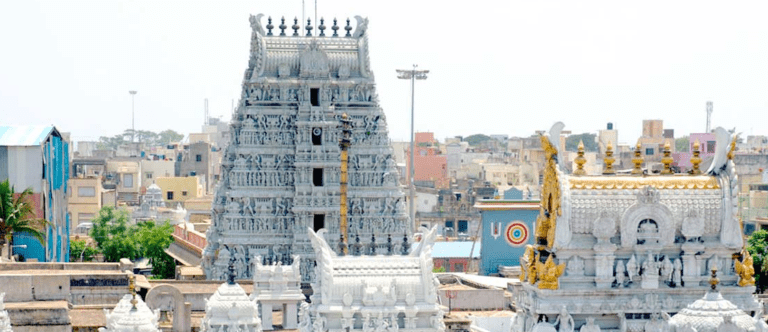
(624, 252)
(383, 292)
(281, 169)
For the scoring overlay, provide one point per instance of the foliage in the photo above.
(438, 269)
(589, 139)
(682, 143)
(154, 239)
(17, 214)
(142, 136)
(116, 239)
(757, 245)
(477, 139)
(78, 249)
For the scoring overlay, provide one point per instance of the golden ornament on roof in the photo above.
(695, 159)
(609, 160)
(638, 160)
(580, 160)
(549, 273)
(745, 269)
(667, 159)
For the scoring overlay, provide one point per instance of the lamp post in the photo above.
(412, 75)
(133, 114)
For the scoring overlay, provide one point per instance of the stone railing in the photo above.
(189, 237)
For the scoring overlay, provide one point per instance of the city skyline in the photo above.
(511, 70)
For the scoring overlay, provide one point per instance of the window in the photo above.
(149, 175)
(648, 151)
(86, 192)
(463, 226)
(317, 177)
(458, 267)
(319, 222)
(184, 193)
(710, 147)
(317, 136)
(198, 158)
(127, 180)
(314, 95)
(169, 195)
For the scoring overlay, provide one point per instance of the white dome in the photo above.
(707, 313)
(230, 306)
(127, 318)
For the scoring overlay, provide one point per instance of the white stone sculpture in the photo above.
(676, 273)
(278, 286)
(575, 266)
(375, 291)
(632, 268)
(286, 125)
(590, 326)
(658, 322)
(620, 274)
(565, 321)
(131, 315)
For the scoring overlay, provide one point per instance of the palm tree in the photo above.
(17, 214)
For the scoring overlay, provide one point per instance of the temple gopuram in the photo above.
(309, 149)
(627, 252)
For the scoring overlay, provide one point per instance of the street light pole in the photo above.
(412, 75)
(133, 114)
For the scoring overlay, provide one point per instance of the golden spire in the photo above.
(667, 159)
(713, 281)
(638, 160)
(580, 160)
(132, 289)
(608, 160)
(696, 160)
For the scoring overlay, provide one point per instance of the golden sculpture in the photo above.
(549, 273)
(634, 182)
(580, 160)
(733, 147)
(608, 160)
(745, 269)
(638, 160)
(532, 269)
(667, 160)
(526, 261)
(550, 193)
(696, 160)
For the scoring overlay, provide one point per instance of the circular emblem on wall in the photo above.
(516, 234)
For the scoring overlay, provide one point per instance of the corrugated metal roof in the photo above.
(455, 249)
(24, 135)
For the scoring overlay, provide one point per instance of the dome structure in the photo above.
(230, 307)
(714, 313)
(131, 315)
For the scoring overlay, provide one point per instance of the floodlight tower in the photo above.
(709, 116)
(412, 75)
(133, 114)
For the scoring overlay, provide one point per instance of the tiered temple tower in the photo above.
(281, 172)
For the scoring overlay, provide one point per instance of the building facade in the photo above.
(507, 228)
(37, 157)
(281, 171)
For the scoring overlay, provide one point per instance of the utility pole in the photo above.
(133, 114)
(709, 117)
(412, 75)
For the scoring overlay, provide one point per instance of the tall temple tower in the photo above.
(281, 170)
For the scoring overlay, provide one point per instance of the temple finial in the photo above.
(733, 147)
(580, 160)
(638, 160)
(321, 27)
(231, 276)
(608, 160)
(282, 26)
(335, 28)
(132, 286)
(309, 27)
(667, 160)
(295, 26)
(269, 26)
(695, 159)
(713, 280)
(348, 28)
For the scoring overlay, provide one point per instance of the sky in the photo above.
(496, 67)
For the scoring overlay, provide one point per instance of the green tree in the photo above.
(168, 136)
(79, 251)
(113, 236)
(757, 245)
(111, 143)
(476, 139)
(154, 239)
(682, 143)
(17, 214)
(589, 139)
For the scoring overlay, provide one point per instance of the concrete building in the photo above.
(179, 189)
(429, 165)
(124, 174)
(85, 200)
(707, 146)
(507, 228)
(37, 157)
(653, 140)
(198, 159)
(604, 136)
(455, 256)
(153, 169)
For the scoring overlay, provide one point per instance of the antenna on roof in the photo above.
(709, 117)
(205, 113)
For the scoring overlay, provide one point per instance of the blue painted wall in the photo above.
(496, 249)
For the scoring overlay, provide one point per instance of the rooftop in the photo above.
(25, 135)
